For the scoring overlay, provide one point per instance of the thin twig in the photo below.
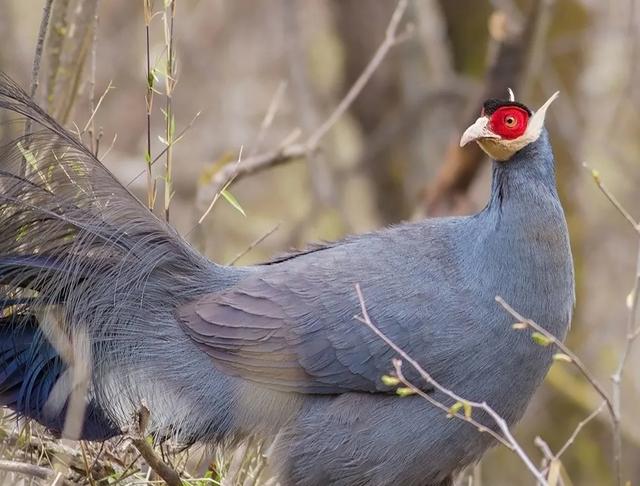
(563, 347)
(42, 34)
(139, 440)
(29, 470)
(164, 150)
(72, 41)
(35, 71)
(288, 153)
(110, 147)
(216, 196)
(546, 452)
(552, 460)
(611, 404)
(609, 195)
(94, 138)
(255, 243)
(577, 430)
(507, 437)
(550, 467)
(302, 98)
(616, 378)
(391, 38)
(632, 332)
(397, 366)
(95, 107)
(86, 464)
(151, 189)
(170, 82)
(269, 116)
(45, 447)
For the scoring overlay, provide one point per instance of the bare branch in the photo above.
(69, 43)
(42, 34)
(31, 470)
(288, 153)
(557, 342)
(612, 199)
(95, 109)
(170, 83)
(139, 440)
(179, 137)
(221, 191)
(255, 243)
(612, 405)
(151, 185)
(506, 438)
(35, 71)
(305, 103)
(391, 39)
(632, 331)
(269, 116)
(577, 430)
(94, 137)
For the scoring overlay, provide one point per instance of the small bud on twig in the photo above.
(405, 391)
(390, 380)
(562, 357)
(540, 339)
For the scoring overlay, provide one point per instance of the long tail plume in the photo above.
(88, 276)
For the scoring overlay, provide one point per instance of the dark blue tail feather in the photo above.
(29, 369)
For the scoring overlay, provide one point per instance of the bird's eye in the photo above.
(510, 121)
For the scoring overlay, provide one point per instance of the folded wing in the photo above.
(291, 332)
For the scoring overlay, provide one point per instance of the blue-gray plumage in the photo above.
(273, 352)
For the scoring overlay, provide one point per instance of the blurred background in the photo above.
(266, 74)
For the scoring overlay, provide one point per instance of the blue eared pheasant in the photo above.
(90, 280)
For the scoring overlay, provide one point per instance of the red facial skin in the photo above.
(509, 122)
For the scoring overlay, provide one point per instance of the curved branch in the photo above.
(290, 152)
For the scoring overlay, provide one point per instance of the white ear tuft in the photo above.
(537, 120)
(512, 97)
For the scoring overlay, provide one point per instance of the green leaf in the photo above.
(455, 408)
(233, 201)
(467, 409)
(22, 232)
(29, 157)
(562, 357)
(32, 161)
(540, 339)
(458, 406)
(172, 127)
(405, 391)
(390, 380)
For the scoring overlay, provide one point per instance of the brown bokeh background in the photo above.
(392, 157)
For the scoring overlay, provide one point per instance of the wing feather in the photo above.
(277, 334)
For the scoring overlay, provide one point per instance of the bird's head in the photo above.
(506, 126)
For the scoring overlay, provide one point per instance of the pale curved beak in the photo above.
(478, 130)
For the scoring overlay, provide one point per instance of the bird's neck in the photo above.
(527, 180)
(523, 233)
